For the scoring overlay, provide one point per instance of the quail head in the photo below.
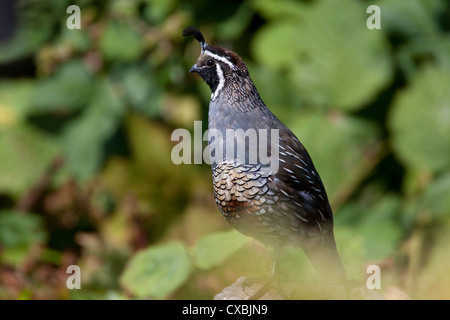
(279, 202)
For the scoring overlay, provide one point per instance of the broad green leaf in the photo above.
(14, 101)
(149, 173)
(25, 154)
(157, 271)
(77, 40)
(350, 245)
(278, 9)
(34, 26)
(292, 264)
(278, 94)
(381, 229)
(120, 42)
(142, 90)
(68, 90)
(420, 121)
(436, 198)
(272, 45)
(214, 249)
(157, 11)
(431, 49)
(369, 229)
(147, 136)
(23, 43)
(233, 27)
(85, 137)
(18, 232)
(333, 59)
(412, 18)
(337, 145)
(124, 8)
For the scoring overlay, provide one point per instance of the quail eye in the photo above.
(210, 62)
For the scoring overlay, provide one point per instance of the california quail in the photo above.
(277, 207)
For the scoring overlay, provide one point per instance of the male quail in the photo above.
(277, 207)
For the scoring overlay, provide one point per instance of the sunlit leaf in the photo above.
(420, 121)
(157, 271)
(333, 59)
(369, 230)
(414, 17)
(350, 244)
(436, 199)
(68, 90)
(127, 49)
(234, 26)
(142, 90)
(18, 232)
(25, 154)
(214, 249)
(34, 26)
(14, 101)
(381, 229)
(278, 9)
(337, 145)
(273, 44)
(124, 8)
(156, 11)
(76, 39)
(434, 50)
(85, 137)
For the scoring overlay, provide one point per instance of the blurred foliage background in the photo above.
(85, 140)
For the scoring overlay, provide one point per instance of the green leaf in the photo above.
(142, 90)
(77, 40)
(278, 9)
(412, 18)
(214, 249)
(277, 93)
(420, 121)
(24, 42)
(381, 229)
(436, 197)
(350, 244)
(18, 232)
(149, 172)
(434, 50)
(127, 49)
(293, 264)
(373, 228)
(35, 25)
(157, 11)
(14, 101)
(25, 153)
(233, 27)
(68, 90)
(272, 45)
(157, 271)
(124, 8)
(333, 59)
(337, 145)
(84, 138)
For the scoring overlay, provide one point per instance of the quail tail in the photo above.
(325, 259)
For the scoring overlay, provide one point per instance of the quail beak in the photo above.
(194, 68)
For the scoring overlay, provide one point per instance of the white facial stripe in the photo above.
(215, 56)
(221, 82)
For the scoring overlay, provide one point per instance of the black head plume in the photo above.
(193, 30)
